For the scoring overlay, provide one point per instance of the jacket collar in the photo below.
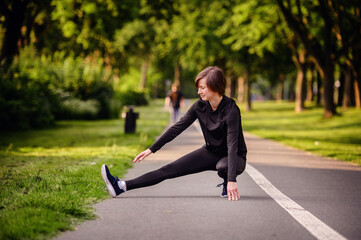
(223, 102)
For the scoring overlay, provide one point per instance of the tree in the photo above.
(318, 39)
(139, 37)
(346, 17)
(250, 33)
(71, 26)
(17, 14)
(299, 58)
(89, 26)
(276, 66)
(189, 41)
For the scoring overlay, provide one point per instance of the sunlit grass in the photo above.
(338, 137)
(50, 178)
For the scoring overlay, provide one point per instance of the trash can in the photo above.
(130, 120)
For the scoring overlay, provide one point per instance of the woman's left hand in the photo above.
(232, 191)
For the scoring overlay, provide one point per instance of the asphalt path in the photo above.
(310, 188)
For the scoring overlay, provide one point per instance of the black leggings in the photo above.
(197, 161)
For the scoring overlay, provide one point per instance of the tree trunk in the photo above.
(247, 91)
(228, 86)
(356, 53)
(310, 84)
(347, 96)
(326, 64)
(328, 91)
(355, 68)
(156, 90)
(300, 62)
(355, 82)
(12, 26)
(240, 89)
(357, 93)
(319, 89)
(233, 87)
(281, 80)
(300, 86)
(177, 74)
(292, 91)
(143, 76)
(357, 75)
(341, 89)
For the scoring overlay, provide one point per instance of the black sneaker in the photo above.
(224, 191)
(111, 182)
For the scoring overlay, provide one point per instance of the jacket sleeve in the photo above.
(233, 120)
(176, 129)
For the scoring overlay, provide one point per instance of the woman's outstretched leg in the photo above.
(194, 162)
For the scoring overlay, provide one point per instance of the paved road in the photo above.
(321, 199)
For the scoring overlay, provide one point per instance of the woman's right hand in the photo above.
(142, 155)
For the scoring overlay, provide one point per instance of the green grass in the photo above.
(51, 178)
(338, 137)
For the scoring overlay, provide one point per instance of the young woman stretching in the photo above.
(224, 150)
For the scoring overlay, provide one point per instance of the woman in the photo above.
(225, 149)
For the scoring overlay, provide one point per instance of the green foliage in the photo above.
(39, 89)
(88, 25)
(191, 36)
(253, 24)
(131, 97)
(25, 103)
(135, 36)
(129, 79)
(50, 178)
(85, 79)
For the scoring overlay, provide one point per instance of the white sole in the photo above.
(107, 183)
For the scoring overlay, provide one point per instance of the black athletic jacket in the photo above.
(222, 131)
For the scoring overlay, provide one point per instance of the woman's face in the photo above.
(203, 90)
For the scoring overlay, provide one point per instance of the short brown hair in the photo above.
(215, 79)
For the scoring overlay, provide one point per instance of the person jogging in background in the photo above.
(224, 150)
(175, 97)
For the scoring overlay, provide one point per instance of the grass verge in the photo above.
(51, 178)
(338, 137)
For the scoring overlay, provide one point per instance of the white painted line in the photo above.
(314, 225)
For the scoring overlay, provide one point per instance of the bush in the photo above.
(115, 108)
(39, 89)
(25, 103)
(82, 78)
(132, 97)
(126, 98)
(77, 109)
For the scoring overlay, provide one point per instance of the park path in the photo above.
(285, 194)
